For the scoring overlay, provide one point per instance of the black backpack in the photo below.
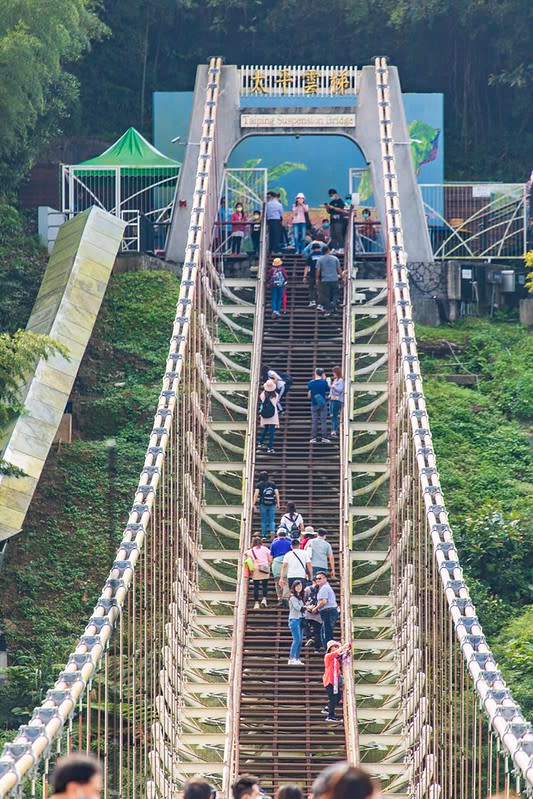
(294, 532)
(267, 409)
(268, 495)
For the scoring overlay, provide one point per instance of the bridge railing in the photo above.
(248, 486)
(105, 699)
(350, 710)
(465, 735)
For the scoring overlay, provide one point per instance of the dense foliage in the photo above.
(38, 38)
(478, 54)
(485, 459)
(53, 571)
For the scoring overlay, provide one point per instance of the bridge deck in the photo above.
(283, 735)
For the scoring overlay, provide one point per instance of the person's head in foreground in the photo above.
(77, 776)
(343, 781)
(197, 788)
(289, 791)
(246, 786)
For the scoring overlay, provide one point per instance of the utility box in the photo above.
(508, 284)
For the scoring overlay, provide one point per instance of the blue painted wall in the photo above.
(326, 159)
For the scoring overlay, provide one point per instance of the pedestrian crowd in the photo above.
(295, 231)
(325, 394)
(301, 561)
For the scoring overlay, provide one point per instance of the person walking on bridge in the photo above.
(321, 554)
(266, 494)
(274, 219)
(327, 607)
(277, 279)
(332, 676)
(268, 417)
(328, 274)
(296, 611)
(278, 549)
(296, 565)
(257, 562)
(317, 393)
(336, 400)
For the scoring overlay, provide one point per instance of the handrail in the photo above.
(33, 741)
(231, 758)
(515, 737)
(350, 705)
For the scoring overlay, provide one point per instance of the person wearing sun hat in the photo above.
(268, 416)
(308, 535)
(331, 679)
(300, 215)
(277, 280)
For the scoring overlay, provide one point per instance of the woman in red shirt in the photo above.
(332, 679)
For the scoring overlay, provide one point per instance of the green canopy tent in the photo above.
(131, 179)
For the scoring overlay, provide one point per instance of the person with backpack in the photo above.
(257, 562)
(296, 565)
(266, 495)
(277, 279)
(268, 416)
(318, 393)
(292, 521)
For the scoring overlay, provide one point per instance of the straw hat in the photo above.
(332, 643)
(277, 262)
(309, 530)
(269, 385)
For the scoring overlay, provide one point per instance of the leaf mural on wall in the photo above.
(424, 143)
(276, 173)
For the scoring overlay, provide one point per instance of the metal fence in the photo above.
(476, 220)
(142, 198)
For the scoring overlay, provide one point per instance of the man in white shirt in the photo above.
(274, 220)
(296, 565)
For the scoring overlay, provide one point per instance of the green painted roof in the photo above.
(132, 153)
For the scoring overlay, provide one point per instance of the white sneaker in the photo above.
(297, 662)
(312, 305)
(290, 662)
(326, 441)
(313, 441)
(256, 606)
(320, 307)
(264, 603)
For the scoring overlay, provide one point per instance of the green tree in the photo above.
(514, 653)
(37, 39)
(18, 355)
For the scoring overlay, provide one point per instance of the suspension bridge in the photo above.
(174, 674)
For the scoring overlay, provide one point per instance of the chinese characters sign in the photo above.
(298, 81)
